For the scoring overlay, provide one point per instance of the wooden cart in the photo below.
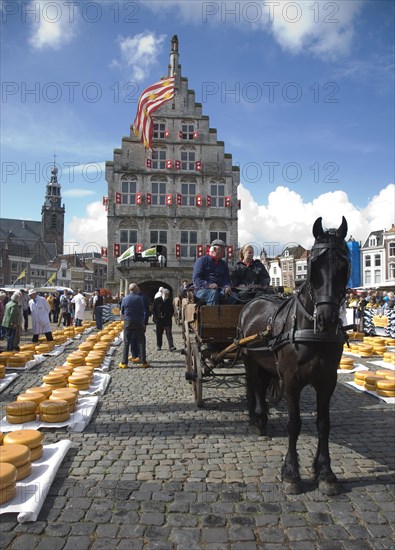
(211, 350)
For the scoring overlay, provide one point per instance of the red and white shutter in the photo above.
(118, 198)
(208, 200)
(169, 164)
(149, 163)
(117, 250)
(177, 164)
(138, 248)
(228, 201)
(229, 252)
(169, 199)
(199, 200)
(179, 199)
(139, 198)
(199, 250)
(178, 251)
(148, 198)
(198, 165)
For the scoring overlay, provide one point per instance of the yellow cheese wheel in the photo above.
(43, 348)
(17, 361)
(30, 438)
(53, 378)
(70, 397)
(76, 379)
(40, 389)
(61, 417)
(5, 355)
(15, 454)
(385, 384)
(7, 474)
(359, 382)
(79, 387)
(371, 380)
(346, 360)
(54, 408)
(69, 390)
(382, 372)
(346, 366)
(62, 371)
(12, 419)
(18, 408)
(24, 470)
(36, 397)
(370, 387)
(36, 453)
(27, 347)
(7, 493)
(86, 346)
(54, 386)
(1, 438)
(361, 375)
(386, 393)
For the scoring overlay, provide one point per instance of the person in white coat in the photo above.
(40, 309)
(79, 308)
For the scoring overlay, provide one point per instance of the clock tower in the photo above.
(52, 213)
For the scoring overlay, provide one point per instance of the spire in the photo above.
(174, 66)
(52, 195)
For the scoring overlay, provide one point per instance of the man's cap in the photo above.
(32, 291)
(218, 242)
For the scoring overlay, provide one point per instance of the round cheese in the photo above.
(24, 470)
(361, 375)
(30, 438)
(17, 408)
(15, 454)
(386, 393)
(7, 493)
(54, 408)
(7, 474)
(61, 417)
(385, 384)
(60, 391)
(36, 397)
(12, 419)
(36, 453)
(40, 389)
(53, 378)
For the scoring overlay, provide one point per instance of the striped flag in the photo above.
(151, 99)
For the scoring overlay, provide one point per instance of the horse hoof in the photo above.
(329, 489)
(293, 487)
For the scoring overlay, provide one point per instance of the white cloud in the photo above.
(139, 53)
(94, 225)
(325, 29)
(53, 25)
(287, 218)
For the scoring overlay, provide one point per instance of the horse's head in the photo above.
(328, 272)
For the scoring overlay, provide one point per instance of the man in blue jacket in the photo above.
(133, 314)
(211, 275)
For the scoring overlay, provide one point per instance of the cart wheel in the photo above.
(275, 391)
(197, 383)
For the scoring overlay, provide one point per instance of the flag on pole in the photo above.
(150, 253)
(21, 275)
(151, 99)
(51, 279)
(128, 254)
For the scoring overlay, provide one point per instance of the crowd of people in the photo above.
(371, 299)
(17, 306)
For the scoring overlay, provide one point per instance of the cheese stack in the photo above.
(370, 382)
(365, 350)
(75, 359)
(19, 456)
(54, 411)
(79, 381)
(88, 371)
(7, 481)
(28, 347)
(379, 346)
(19, 412)
(44, 348)
(4, 357)
(31, 438)
(17, 361)
(346, 363)
(65, 394)
(389, 357)
(2, 371)
(65, 372)
(390, 341)
(359, 377)
(54, 381)
(386, 386)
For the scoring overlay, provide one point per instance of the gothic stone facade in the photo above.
(181, 195)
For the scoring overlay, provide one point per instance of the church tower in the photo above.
(52, 213)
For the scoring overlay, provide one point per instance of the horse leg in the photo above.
(290, 469)
(256, 392)
(326, 479)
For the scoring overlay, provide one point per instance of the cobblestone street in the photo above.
(151, 471)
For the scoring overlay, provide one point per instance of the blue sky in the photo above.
(302, 94)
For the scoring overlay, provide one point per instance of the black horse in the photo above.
(305, 346)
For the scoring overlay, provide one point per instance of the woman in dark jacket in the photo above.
(249, 276)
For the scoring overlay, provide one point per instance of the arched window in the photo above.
(188, 158)
(217, 191)
(158, 190)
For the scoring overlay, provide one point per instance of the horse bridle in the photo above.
(323, 299)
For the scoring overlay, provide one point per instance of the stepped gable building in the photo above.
(179, 196)
(26, 247)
